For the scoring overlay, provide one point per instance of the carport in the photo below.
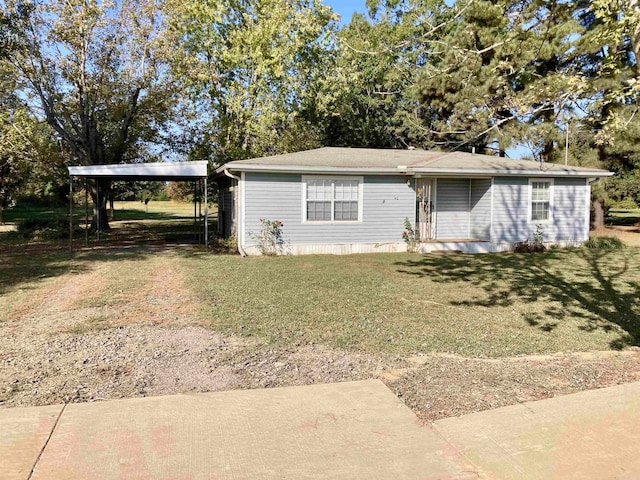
(195, 172)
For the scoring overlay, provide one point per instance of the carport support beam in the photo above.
(206, 215)
(86, 212)
(70, 214)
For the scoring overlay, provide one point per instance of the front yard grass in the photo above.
(473, 305)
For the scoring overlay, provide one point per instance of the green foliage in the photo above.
(368, 100)
(34, 228)
(410, 236)
(250, 68)
(604, 243)
(224, 245)
(270, 240)
(180, 191)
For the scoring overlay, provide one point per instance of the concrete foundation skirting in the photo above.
(334, 248)
(462, 246)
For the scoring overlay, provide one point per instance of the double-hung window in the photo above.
(332, 199)
(541, 197)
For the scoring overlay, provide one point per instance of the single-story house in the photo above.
(355, 200)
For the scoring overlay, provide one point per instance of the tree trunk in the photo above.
(597, 213)
(99, 188)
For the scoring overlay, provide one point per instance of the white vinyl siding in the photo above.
(332, 199)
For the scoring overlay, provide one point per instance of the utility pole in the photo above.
(566, 145)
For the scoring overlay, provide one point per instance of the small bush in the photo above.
(604, 243)
(528, 247)
(224, 245)
(410, 236)
(43, 229)
(270, 240)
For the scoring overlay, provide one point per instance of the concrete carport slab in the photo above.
(23, 434)
(354, 430)
(588, 435)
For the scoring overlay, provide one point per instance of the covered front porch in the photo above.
(453, 212)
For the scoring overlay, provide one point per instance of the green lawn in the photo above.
(489, 305)
(623, 217)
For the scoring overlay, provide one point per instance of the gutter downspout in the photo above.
(237, 207)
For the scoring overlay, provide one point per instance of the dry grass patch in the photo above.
(446, 386)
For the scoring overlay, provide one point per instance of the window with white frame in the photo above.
(332, 199)
(541, 194)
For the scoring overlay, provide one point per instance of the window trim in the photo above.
(358, 178)
(530, 214)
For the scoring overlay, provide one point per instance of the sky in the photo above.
(345, 8)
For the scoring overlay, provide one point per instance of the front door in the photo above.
(425, 197)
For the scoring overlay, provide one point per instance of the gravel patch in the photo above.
(142, 360)
(446, 386)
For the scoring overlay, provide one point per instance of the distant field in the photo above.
(178, 209)
(132, 222)
(124, 210)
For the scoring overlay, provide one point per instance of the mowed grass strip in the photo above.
(475, 305)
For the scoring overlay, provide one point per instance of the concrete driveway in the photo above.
(356, 430)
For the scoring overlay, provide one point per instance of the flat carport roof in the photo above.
(169, 171)
(161, 171)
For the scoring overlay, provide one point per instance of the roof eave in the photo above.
(302, 169)
(509, 172)
(311, 169)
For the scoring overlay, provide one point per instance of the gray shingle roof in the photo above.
(381, 161)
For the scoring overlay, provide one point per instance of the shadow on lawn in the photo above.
(591, 285)
(23, 262)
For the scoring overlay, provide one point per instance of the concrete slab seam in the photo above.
(477, 469)
(55, 425)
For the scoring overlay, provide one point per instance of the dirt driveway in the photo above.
(78, 337)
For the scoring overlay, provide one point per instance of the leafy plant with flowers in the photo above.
(410, 236)
(270, 240)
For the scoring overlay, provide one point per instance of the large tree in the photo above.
(609, 60)
(16, 126)
(503, 74)
(251, 68)
(368, 100)
(93, 71)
